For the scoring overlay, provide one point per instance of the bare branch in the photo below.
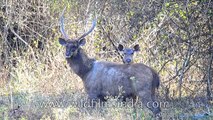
(19, 37)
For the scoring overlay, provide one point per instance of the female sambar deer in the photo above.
(128, 53)
(128, 58)
(105, 78)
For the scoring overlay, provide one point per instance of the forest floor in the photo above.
(74, 105)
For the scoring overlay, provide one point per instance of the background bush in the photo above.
(175, 39)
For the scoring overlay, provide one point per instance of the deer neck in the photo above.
(81, 64)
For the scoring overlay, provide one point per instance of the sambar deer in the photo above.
(128, 53)
(102, 78)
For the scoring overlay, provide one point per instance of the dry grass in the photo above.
(41, 84)
(50, 90)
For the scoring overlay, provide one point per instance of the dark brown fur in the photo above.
(104, 78)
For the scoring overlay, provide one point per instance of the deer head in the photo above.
(72, 45)
(128, 53)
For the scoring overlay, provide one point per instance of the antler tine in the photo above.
(91, 29)
(62, 25)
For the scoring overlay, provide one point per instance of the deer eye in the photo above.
(75, 47)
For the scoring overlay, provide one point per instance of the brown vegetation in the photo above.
(175, 39)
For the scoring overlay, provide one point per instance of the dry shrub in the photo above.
(33, 69)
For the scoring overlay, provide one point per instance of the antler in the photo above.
(63, 31)
(62, 25)
(91, 29)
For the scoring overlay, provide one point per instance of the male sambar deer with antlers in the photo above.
(105, 78)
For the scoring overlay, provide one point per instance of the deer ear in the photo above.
(136, 48)
(62, 41)
(82, 42)
(120, 47)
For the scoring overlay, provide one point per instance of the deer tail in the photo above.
(156, 80)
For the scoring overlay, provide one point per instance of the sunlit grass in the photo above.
(44, 87)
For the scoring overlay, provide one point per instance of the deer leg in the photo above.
(95, 100)
(92, 98)
(135, 100)
(150, 103)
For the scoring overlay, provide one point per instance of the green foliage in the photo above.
(169, 34)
